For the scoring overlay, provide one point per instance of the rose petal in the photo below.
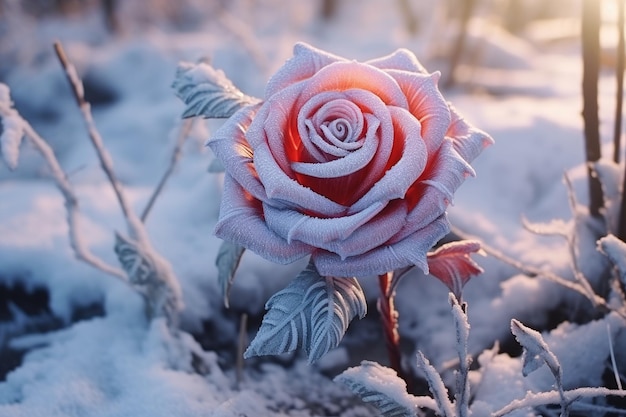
(435, 189)
(468, 140)
(397, 180)
(402, 59)
(346, 165)
(374, 233)
(294, 226)
(341, 76)
(281, 189)
(427, 104)
(241, 222)
(410, 251)
(306, 61)
(229, 144)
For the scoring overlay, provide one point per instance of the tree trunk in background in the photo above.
(410, 21)
(467, 7)
(591, 70)
(621, 231)
(110, 17)
(329, 8)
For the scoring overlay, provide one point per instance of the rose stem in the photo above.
(389, 318)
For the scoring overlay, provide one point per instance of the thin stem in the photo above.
(461, 324)
(180, 140)
(619, 76)
(81, 251)
(103, 155)
(554, 397)
(241, 347)
(591, 73)
(389, 318)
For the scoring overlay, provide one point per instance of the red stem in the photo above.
(389, 319)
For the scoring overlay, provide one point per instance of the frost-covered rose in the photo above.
(352, 163)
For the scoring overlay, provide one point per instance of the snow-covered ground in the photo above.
(88, 350)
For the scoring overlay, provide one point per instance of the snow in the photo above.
(524, 90)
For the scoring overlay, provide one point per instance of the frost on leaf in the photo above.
(152, 276)
(615, 250)
(11, 129)
(435, 385)
(207, 92)
(227, 261)
(453, 266)
(536, 352)
(312, 312)
(382, 388)
(139, 267)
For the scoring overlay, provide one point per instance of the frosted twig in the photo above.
(532, 271)
(183, 132)
(241, 347)
(147, 271)
(572, 241)
(618, 382)
(103, 155)
(81, 251)
(459, 313)
(554, 397)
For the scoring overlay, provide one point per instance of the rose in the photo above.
(351, 163)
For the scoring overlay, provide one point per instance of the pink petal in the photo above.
(410, 251)
(241, 222)
(349, 164)
(280, 187)
(436, 186)
(427, 104)
(402, 59)
(229, 144)
(397, 180)
(374, 233)
(341, 76)
(468, 140)
(318, 232)
(453, 266)
(306, 61)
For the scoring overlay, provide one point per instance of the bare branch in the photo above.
(554, 397)
(532, 271)
(183, 133)
(103, 155)
(81, 251)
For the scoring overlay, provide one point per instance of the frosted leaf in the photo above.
(207, 92)
(382, 388)
(453, 266)
(615, 250)
(435, 385)
(312, 312)
(227, 261)
(11, 129)
(536, 352)
(139, 267)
